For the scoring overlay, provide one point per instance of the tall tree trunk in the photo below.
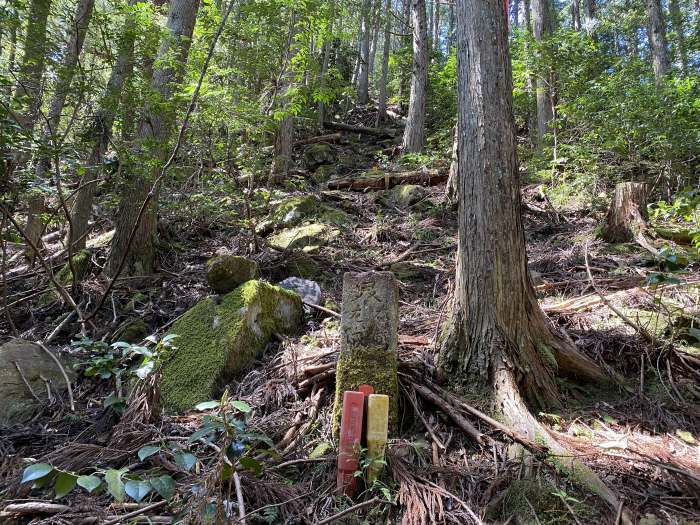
(576, 15)
(100, 131)
(451, 28)
(284, 138)
(436, 27)
(374, 42)
(154, 133)
(363, 72)
(589, 17)
(657, 41)
(515, 15)
(326, 52)
(681, 46)
(414, 134)
(381, 103)
(499, 340)
(406, 17)
(66, 72)
(542, 28)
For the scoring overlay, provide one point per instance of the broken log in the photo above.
(627, 216)
(379, 132)
(332, 137)
(387, 181)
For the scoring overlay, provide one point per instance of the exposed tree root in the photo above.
(516, 414)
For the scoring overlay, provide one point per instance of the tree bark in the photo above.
(451, 189)
(284, 139)
(154, 133)
(626, 219)
(542, 28)
(575, 15)
(414, 134)
(657, 41)
(676, 16)
(436, 27)
(381, 102)
(363, 72)
(589, 17)
(100, 131)
(499, 340)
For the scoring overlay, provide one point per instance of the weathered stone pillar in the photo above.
(369, 339)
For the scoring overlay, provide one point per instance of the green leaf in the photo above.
(148, 451)
(115, 485)
(65, 482)
(686, 436)
(163, 485)
(251, 464)
(206, 405)
(242, 406)
(137, 489)
(89, 483)
(36, 471)
(185, 460)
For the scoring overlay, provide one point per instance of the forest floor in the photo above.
(640, 437)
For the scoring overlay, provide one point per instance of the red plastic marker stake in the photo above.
(350, 435)
(367, 390)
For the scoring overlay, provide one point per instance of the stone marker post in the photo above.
(369, 339)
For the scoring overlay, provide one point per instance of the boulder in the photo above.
(296, 210)
(309, 291)
(368, 339)
(307, 237)
(17, 404)
(317, 155)
(220, 335)
(405, 195)
(225, 273)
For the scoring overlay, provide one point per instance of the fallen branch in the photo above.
(63, 372)
(332, 137)
(424, 177)
(33, 507)
(350, 510)
(137, 512)
(450, 411)
(379, 132)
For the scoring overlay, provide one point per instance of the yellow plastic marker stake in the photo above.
(377, 433)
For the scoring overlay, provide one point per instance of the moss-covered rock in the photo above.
(409, 271)
(17, 403)
(307, 237)
(216, 338)
(305, 208)
(405, 195)
(81, 263)
(318, 154)
(225, 273)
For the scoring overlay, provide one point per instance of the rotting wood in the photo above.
(387, 181)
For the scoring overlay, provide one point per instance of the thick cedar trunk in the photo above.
(657, 41)
(499, 340)
(363, 72)
(153, 134)
(414, 134)
(99, 133)
(542, 28)
(381, 103)
(284, 139)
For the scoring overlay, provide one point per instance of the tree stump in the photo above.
(627, 216)
(369, 339)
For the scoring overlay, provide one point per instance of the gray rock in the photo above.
(227, 272)
(17, 404)
(309, 291)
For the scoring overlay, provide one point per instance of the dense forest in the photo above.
(350, 261)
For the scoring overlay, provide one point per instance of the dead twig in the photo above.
(63, 372)
(137, 512)
(350, 510)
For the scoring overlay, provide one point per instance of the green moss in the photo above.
(405, 195)
(81, 263)
(547, 356)
(307, 237)
(304, 208)
(226, 272)
(216, 339)
(524, 496)
(132, 331)
(373, 366)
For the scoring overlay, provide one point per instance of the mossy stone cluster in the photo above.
(225, 273)
(308, 237)
(369, 339)
(318, 154)
(219, 336)
(405, 195)
(302, 209)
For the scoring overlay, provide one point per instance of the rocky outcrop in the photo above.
(308, 237)
(26, 374)
(219, 336)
